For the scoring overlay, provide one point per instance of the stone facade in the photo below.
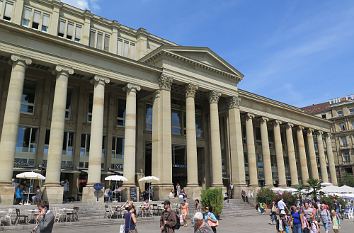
(83, 97)
(340, 111)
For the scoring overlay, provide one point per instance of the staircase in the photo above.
(237, 208)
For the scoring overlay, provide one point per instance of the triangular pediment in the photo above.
(201, 55)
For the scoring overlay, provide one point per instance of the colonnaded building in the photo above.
(83, 97)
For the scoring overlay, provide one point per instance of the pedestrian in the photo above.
(281, 205)
(335, 221)
(281, 222)
(211, 219)
(19, 194)
(130, 219)
(45, 219)
(231, 191)
(38, 196)
(325, 217)
(295, 214)
(273, 213)
(184, 208)
(307, 210)
(314, 228)
(66, 189)
(200, 226)
(168, 218)
(178, 189)
(243, 195)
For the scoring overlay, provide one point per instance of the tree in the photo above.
(347, 180)
(315, 184)
(213, 197)
(266, 195)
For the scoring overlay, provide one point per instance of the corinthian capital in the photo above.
(191, 89)
(131, 87)
(165, 82)
(100, 80)
(234, 102)
(64, 70)
(214, 97)
(21, 60)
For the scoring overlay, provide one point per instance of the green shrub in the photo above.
(288, 198)
(266, 195)
(213, 197)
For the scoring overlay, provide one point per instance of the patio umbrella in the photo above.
(149, 179)
(116, 178)
(31, 176)
(325, 184)
(346, 189)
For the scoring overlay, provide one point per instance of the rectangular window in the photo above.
(99, 40)
(352, 124)
(342, 126)
(199, 125)
(351, 111)
(61, 29)
(340, 113)
(8, 11)
(45, 23)
(70, 31)
(68, 143)
(344, 141)
(28, 97)
(85, 145)
(121, 112)
(120, 47)
(89, 110)
(148, 118)
(346, 156)
(46, 142)
(117, 148)
(106, 43)
(26, 140)
(26, 16)
(92, 38)
(78, 33)
(126, 48)
(68, 105)
(36, 19)
(176, 122)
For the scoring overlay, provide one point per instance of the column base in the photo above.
(89, 194)
(237, 190)
(7, 192)
(53, 194)
(193, 191)
(161, 191)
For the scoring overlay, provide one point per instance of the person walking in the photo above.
(325, 217)
(200, 226)
(273, 213)
(295, 214)
(45, 219)
(168, 218)
(336, 221)
(130, 220)
(314, 228)
(184, 208)
(211, 219)
(19, 194)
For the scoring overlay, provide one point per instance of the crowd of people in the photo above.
(303, 217)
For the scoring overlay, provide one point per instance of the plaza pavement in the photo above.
(256, 223)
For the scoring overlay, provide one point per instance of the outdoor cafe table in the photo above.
(67, 212)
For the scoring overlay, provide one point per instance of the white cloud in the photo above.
(84, 4)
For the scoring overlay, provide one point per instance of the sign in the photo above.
(98, 186)
(133, 194)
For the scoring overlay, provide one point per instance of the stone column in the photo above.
(155, 151)
(302, 155)
(266, 153)
(279, 154)
(130, 134)
(54, 191)
(192, 159)
(95, 156)
(215, 139)
(291, 154)
(162, 138)
(10, 127)
(313, 162)
(238, 178)
(323, 163)
(251, 151)
(332, 167)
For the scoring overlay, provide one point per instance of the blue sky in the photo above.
(298, 52)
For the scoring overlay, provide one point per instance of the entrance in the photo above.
(179, 165)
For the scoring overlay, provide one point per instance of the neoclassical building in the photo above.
(83, 97)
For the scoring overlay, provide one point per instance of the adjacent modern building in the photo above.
(340, 111)
(83, 97)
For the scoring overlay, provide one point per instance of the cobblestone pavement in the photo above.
(227, 225)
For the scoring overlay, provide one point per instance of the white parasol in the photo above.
(31, 176)
(116, 178)
(149, 179)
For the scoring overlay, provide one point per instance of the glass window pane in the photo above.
(120, 47)
(26, 16)
(121, 112)
(176, 123)
(8, 10)
(126, 48)
(36, 16)
(92, 38)
(148, 118)
(78, 33)
(70, 31)
(106, 42)
(99, 40)
(45, 23)
(61, 28)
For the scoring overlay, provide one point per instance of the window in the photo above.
(342, 126)
(8, 9)
(85, 145)
(148, 118)
(199, 125)
(340, 113)
(351, 111)
(346, 156)
(46, 142)
(26, 140)
(45, 22)
(117, 148)
(68, 105)
(344, 141)
(28, 97)
(324, 116)
(179, 156)
(69, 30)
(352, 124)
(99, 40)
(89, 110)
(36, 19)
(121, 112)
(68, 143)
(26, 16)
(126, 48)
(176, 122)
